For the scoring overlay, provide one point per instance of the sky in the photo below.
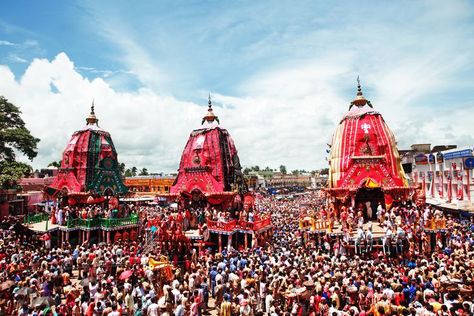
(281, 73)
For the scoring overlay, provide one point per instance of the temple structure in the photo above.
(364, 164)
(89, 167)
(210, 171)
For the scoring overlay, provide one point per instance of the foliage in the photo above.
(324, 171)
(283, 169)
(143, 172)
(122, 169)
(11, 171)
(13, 133)
(14, 137)
(56, 164)
(128, 173)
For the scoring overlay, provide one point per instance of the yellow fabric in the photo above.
(371, 183)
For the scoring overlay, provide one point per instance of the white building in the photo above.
(446, 177)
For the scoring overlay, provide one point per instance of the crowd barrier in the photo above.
(101, 222)
(35, 218)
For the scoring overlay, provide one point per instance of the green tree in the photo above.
(14, 137)
(283, 169)
(56, 164)
(134, 171)
(246, 171)
(122, 169)
(128, 173)
(143, 172)
(324, 171)
(295, 172)
(10, 172)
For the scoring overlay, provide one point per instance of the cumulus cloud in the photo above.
(279, 89)
(148, 130)
(285, 121)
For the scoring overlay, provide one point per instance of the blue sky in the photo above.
(281, 72)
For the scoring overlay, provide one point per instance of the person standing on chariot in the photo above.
(369, 241)
(359, 238)
(53, 215)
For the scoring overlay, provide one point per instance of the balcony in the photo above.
(103, 223)
(35, 218)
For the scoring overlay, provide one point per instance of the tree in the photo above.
(128, 173)
(14, 137)
(324, 171)
(122, 169)
(283, 169)
(134, 171)
(246, 171)
(10, 172)
(55, 164)
(295, 172)
(143, 172)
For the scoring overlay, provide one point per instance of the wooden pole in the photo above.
(220, 242)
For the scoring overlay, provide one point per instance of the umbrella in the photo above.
(6, 285)
(125, 274)
(25, 291)
(42, 301)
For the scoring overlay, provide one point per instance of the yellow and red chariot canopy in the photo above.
(364, 153)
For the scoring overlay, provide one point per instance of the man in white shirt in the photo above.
(153, 309)
(268, 302)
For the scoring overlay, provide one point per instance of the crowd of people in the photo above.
(291, 274)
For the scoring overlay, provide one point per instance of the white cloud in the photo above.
(16, 59)
(6, 43)
(148, 130)
(417, 74)
(287, 117)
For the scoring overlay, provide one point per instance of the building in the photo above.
(11, 203)
(364, 163)
(149, 185)
(446, 177)
(279, 180)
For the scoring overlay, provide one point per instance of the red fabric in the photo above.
(202, 167)
(364, 151)
(74, 164)
(117, 237)
(388, 201)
